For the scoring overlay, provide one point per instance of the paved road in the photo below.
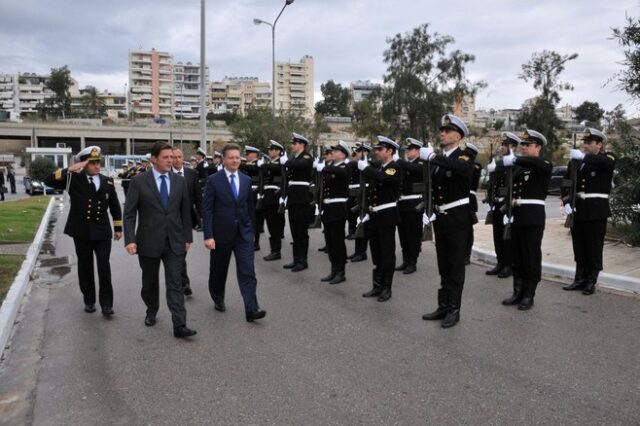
(324, 355)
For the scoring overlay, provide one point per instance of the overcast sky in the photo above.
(346, 39)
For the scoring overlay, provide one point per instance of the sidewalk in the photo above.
(618, 258)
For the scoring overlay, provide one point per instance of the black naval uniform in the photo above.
(360, 252)
(125, 180)
(410, 225)
(503, 248)
(473, 203)
(382, 200)
(531, 177)
(595, 174)
(299, 177)
(202, 172)
(252, 170)
(88, 225)
(335, 193)
(450, 186)
(272, 180)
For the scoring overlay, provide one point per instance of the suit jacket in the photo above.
(88, 218)
(224, 217)
(194, 191)
(155, 223)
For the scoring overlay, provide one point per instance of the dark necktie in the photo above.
(164, 191)
(234, 190)
(93, 185)
(180, 173)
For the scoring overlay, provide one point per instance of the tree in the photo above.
(92, 104)
(41, 168)
(336, 100)
(590, 112)
(367, 117)
(423, 80)
(544, 70)
(498, 124)
(59, 83)
(629, 39)
(258, 126)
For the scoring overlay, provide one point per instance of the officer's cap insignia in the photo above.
(390, 171)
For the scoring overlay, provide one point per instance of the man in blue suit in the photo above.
(228, 225)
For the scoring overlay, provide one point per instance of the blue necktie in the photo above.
(164, 191)
(234, 190)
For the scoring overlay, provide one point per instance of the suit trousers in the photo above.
(588, 241)
(173, 265)
(336, 247)
(527, 256)
(410, 233)
(85, 250)
(299, 225)
(504, 252)
(451, 252)
(275, 225)
(219, 267)
(383, 252)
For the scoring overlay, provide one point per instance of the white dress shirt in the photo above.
(96, 181)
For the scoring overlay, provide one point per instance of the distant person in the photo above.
(229, 224)
(3, 189)
(92, 195)
(11, 177)
(159, 204)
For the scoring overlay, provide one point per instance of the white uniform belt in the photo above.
(383, 207)
(354, 186)
(461, 202)
(523, 201)
(299, 183)
(276, 187)
(499, 199)
(334, 200)
(410, 197)
(254, 187)
(474, 193)
(585, 195)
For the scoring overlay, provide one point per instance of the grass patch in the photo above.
(19, 220)
(9, 266)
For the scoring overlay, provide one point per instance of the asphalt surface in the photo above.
(323, 355)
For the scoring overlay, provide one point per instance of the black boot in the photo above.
(441, 312)
(359, 257)
(402, 266)
(410, 269)
(329, 277)
(385, 294)
(338, 278)
(495, 270)
(377, 286)
(290, 265)
(274, 255)
(300, 266)
(590, 286)
(517, 293)
(452, 317)
(506, 272)
(529, 291)
(579, 280)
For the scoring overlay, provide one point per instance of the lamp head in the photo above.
(289, 2)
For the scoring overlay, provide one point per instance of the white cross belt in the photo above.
(585, 195)
(299, 183)
(334, 200)
(410, 197)
(524, 201)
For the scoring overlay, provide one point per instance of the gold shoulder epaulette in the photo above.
(390, 171)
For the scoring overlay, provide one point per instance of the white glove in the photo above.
(506, 219)
(320, 166)
(426, 152)
(260, 196)
(317, 211)
(426, 220)
(260, 162)
(395, 157)
(284, 158)
(283, 201)
(220, 167)
(576, 154)
(315, 163)
(346, 161)
(362, 164)
(509, 159)
(491, 167)
(363, 220)
(567, 209)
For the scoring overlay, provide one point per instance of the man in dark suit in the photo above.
(229, 224)
(159, 201)
(195, 201)
(91, 195)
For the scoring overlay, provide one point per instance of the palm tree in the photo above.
(92, 103)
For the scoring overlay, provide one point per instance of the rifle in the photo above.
(427, 230)
(261, 184)
(317, 223)
(506, 235)
(491, 192)
(568, 223)
(363, 201)
(283, 190)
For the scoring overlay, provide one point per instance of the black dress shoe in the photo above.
(274, 255)
(107, 311)
(187, 291)
(351, 237)
(359, 258)
(256, 315)
(219, 306)
(90, 308)
(495, 270)
(384, 295)
(438, 314)
(467, 261)
(328, 277)
(402, 266)
(410, 269)
(301, 266)
(150, 320)
(589, 289)
(374, 292)
(515, 299)
(351, 256)
(579, 285)
(290, 265)
(525, 304)
(323, 248)
(338, 278)
(182, 332)
(451, 319)
(506, 272)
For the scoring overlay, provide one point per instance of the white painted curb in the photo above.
(11, 305)
(554, 271)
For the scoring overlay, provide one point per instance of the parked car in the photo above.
(557, 175)
(33, 187)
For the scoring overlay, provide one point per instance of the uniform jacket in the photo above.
(475, 183)
(595, 175)
(272, 176)
(412, 181)
(155, 224)
(335, 184)
(531, 177)
(88, 218)
(384, 187)
(299, 168)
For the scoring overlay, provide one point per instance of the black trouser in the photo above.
(383, 252)
(84, 252)
(451, 251)
(352, 216)
(361, 245)
(13, 186)
(275, 224)
(410, 233)
(299, 225)
(503, 248)
(184, 276)
(246, 276)
(588, 240)
(150, 293)
(527, 257)
(336, 247)
(259, 225)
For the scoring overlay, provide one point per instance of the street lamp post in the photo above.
(273, 53)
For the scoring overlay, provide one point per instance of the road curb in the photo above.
(11, 305)
(557, 272)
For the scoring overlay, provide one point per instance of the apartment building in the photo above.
(151, 85)
(238, 94)
(465, 108)
(294, 86)
(21, 93)
(186, 91)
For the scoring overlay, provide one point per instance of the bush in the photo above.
(41, 168)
